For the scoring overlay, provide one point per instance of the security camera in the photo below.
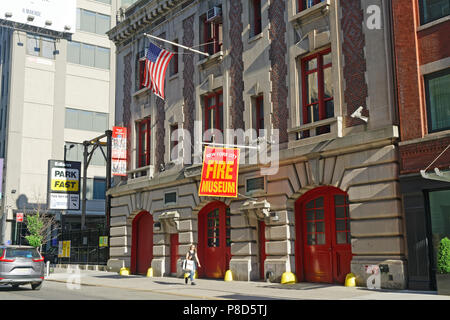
(358, 114)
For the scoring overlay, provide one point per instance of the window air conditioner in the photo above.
(213, 14)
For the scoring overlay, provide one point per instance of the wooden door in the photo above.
(173, 252)
(142, 243)
(324, 230)
(262, 248)
(214, 240)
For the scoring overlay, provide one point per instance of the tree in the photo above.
(39, 226)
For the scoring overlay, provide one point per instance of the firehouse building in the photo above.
(317, 78)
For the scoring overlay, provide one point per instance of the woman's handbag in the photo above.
(188, 265)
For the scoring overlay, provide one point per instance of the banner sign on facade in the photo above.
(119, 151)
(64, 184)
(219, 172)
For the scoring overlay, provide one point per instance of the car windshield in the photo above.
(21, 253)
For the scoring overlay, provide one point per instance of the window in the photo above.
(438, 100)
(104, 1)
(140, 67)
(431, 10)
(258, 115)
(341, 207)
(173, 142)
(40, 46)
(305, 4)
(88, 55)
(255, 17)
(143, 127)
(213, 105)
(439, 208)
(317, 90)
(99, 186)
(174, 61)
(86, 120)
(170, 198)
(212, 35)
(254, 184)
(76, 153)
(93, 22)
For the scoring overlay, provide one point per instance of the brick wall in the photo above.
(278, 75)
(434, 43)
(417, 156)
(237, 65)
(188, 78)
(355, 93)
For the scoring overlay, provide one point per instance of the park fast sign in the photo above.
(64, 184)
(219, 172)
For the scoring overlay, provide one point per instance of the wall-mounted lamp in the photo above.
(67, 27)
(48, 22)
(8, 15)
(30, 18)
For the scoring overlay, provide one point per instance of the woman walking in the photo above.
(192, 255)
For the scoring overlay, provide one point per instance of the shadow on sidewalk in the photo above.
(118, 276)
(246, 297)
(300, 286)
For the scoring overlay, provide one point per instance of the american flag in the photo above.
(156, 62)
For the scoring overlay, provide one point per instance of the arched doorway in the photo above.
(323, 248)
(214, 247)
(142, 243)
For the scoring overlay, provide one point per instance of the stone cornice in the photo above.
(141, 17)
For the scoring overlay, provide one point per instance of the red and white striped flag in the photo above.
(156, 62)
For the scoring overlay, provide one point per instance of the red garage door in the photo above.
(214, 240)
(323, 236)
(142, 243)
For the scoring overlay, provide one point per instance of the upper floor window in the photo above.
(212, 35)
(86, 120)
(255, 17)
(431, 10)
(40, 46)
(258, 115)
(213, 112)
(140, 67)
(75, 152)
(173, 64)
(317, 89)
(173, 142)
(305, 4)
(104, 1)
(143, 129)
(438, 100)
(94, 22)
(88, 55)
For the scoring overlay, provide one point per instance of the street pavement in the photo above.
(174, 288)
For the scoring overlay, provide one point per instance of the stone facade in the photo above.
(357, 158)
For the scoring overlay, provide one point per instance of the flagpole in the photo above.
(176, 44)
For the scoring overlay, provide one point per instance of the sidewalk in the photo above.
(220, 290)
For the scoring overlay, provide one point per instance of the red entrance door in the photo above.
(214, 240)
(324, 253)
(173, 252)
(262, 247)
(142, 243)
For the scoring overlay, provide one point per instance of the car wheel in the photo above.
(36, 286)
(15, 286)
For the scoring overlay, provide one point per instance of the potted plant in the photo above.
(443, 267)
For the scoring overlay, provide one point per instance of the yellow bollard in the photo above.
(124, 271)
(350, 280)
(288, 278)
(150, 273)
(228, 276)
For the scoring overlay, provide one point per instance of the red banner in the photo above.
(119, 151)
(219, 172)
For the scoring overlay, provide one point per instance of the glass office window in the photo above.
(73, 52)
(33, 45)
(440, 217)
(102, 23)
(438, 100)
(102, 58)
(87, 56)
(86, 120)
(87, 20)
(431, 10)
